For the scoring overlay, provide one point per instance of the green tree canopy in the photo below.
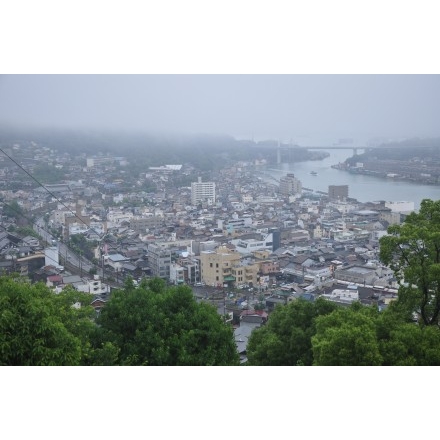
(286, 338)
(38, 327)
(361, 335)
(13, 210)
(347, 337)
(412, 250)
(323, 333)
(402, 342)
(159, 325)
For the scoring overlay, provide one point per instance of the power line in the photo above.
(51, 193)
(39, 183)
(32, 222)
(56, 198)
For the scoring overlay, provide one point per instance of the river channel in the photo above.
(361, 187)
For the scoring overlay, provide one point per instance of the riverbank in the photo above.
(422, 178)
(362, 187)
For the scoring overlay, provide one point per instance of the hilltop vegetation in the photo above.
(203, 151)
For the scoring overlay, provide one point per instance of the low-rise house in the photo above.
(115, 261)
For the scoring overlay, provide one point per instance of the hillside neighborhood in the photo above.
(242, 240)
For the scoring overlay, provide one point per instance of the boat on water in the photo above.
(313, 173)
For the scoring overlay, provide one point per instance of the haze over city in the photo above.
(305, 109)
(93, 134)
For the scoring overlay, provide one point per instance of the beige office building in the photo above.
(216, 266)
(246, 274)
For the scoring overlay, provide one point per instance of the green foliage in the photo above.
(93, 271)
(412, 251)
(38, 327)
(25, 231)
(347, 337)
(321, 333)
(13, 210)
(360, 335)
(79, 244)
(155, 325)
(286, 338)
(404, 343)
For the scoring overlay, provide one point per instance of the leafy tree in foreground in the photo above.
(361, 335)
(347, 337)
(412, 251)
(322, 333)
(159, 325)
(402, 342)
(286, 338)
(38, 327)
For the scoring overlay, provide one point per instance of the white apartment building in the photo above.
(202, 192)
(251, 245)
(177, 274)
(95, 286)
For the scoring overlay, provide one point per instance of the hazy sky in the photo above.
(289, 107)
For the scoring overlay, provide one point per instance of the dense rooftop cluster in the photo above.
(251, 247)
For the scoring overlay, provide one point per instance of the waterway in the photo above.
(360, 187)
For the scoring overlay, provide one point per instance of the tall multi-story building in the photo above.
(159, 259)
(290, 185)
(246, 274)
(202, 192)
(337, 192)
(191, 267)
(216, 266)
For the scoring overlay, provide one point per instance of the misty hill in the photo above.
(407, 150)
(203, 151)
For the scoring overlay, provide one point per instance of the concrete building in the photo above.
(337, 192)
(77, 221)
(269, 267)
(357, 274)
(342, 296)
(290, 185)
(246, 247)
(141, 224)
(235, 223)
(216, 266)
(191, 267)
(159, 259)
(95, 286)
(246, 274)
(202, 192)
(51, 256)
(177, 274)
